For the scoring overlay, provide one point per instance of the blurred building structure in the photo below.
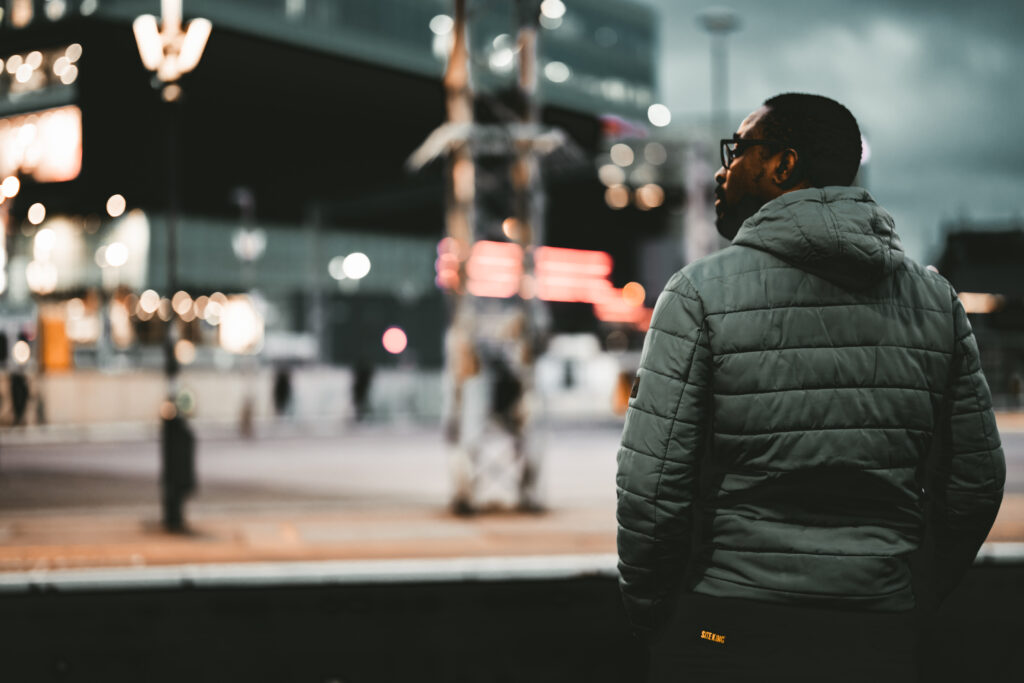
(984, 262)
(310, 108)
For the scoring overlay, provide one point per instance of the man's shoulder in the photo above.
(732, 261)
(926, 277)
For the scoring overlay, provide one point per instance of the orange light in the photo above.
(617, 196)
(511, 228)
(974, 302)
(634, 293)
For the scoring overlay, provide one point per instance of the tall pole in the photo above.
(529, 207)
(461, 359)
(171, 52)
(719, 22)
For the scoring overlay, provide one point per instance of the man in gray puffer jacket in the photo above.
(809, 400)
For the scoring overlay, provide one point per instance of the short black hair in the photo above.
(823, 132)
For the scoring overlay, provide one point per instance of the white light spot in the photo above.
(610, 175)
(24, 73)
(36, 214)
(622, 154)
(549, 23)
(659, 115)
(70, 75)
(61, 65)
(553, 9)
(21, 351)
(442, 24)
(55, 9)
(356, 265)
(181, 302)
(557, 72)
(10, 186)
(149, 301)
(116, 205)
(502, 60)
(14, 63)
(336, 268)
(43, 244)
(116, 254)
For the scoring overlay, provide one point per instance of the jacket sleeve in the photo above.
(968, 475)
(662, 442)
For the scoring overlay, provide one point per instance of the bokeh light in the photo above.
(185, 351)
(634, 293)
(442, 24)
(181, 303)
(650, 196)
(622, 154)
(21, 352)
(552, 9)
(659, 115)
(149, 301)
(116, 205)
(617, 196)
(36, 213)
(394, 340)
(116, 254)
(557, 72)
(10, 186)
(655, 153)
(356, 265)
(610, 174)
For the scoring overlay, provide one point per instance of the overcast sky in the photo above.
(937, 86)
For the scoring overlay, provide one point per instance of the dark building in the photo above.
(309, 110)
(983, 263)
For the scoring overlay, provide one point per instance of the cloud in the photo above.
(935, 85)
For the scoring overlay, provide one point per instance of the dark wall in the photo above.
(531, 631)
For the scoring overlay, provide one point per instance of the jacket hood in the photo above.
(837, 233)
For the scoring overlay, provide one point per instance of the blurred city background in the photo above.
(350, 293)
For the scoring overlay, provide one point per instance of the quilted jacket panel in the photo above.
(790, 391)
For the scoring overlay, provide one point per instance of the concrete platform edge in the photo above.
(356, 572)
(314, 573)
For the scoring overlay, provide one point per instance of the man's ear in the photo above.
(786, 174)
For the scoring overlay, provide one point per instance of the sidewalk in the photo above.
(389, 517)
(42, 542)
(1008, 422)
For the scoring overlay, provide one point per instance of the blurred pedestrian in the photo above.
(19, 395)
(361, 382)
(282, 390)
(809, 402)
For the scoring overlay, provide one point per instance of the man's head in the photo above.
(793, 142)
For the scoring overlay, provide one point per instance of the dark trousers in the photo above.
(722, 640)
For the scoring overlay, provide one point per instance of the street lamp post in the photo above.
(170, 51)
(719, 22)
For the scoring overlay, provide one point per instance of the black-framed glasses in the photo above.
(733, 147)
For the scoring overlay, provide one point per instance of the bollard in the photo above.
(178, 479)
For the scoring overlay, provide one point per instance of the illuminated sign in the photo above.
(45, 145)
(495, 269)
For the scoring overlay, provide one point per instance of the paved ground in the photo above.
(363, 493)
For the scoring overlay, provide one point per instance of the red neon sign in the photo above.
(495, 269)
